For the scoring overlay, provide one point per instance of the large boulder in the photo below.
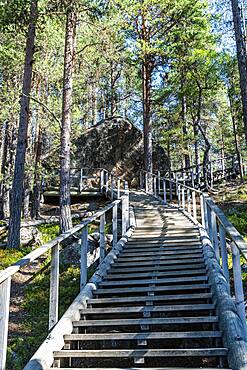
(116, 145)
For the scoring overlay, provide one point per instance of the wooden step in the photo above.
(117, 270)
(158, 252)
(143, 336)
(160, 257)
(136, 368)
(151, 289)
(160, 298)
(143, 275)
(154, 281)
(140, 353)
(141, 309)
(146, 249)
(166, 262)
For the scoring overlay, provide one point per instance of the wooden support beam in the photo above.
(4, 319)
(54, 287)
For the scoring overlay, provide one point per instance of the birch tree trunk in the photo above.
(65, 212)
(242, 60)
(17, 186)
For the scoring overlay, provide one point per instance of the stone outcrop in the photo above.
(117, 145)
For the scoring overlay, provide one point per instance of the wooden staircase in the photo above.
(154, 307)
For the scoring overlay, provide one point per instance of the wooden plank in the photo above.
(116, 270)
(166, 262)
(160, 298)
(136, 368)
(159, 257)
(151, 289)
(153, 248)
(141, 309)
(159, 252)
(142, 336)
(121, 353)
(154, 281)
(54, 287)
(143, 275)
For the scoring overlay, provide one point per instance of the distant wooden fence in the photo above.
(226, 240)
(112, 187)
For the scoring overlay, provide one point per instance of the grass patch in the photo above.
(10, 256)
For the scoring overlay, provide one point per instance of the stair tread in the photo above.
(115, 269)
(149, 321)
(154, 274)
(142, 336)
(151, 289)
(162, 262)
(142, 352)
(179, 307)
(154, 281)
(151, 298)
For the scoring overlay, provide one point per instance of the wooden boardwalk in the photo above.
(154, 308)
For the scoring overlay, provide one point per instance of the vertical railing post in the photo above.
(102, 237)
(141, 180)
(189, 201)
(238, 284)
(164, 190)
(179, 194)
(4, 320)
(124, 210)
(101, 181)
(170, 189)
(155, 185)
(54, 287)
(194, 204)
(215, 235)
(114, 225)
(146, 182)
(106, 182)
(202, 211)
(118, 188)
(112, 186)
(159, 187)
(183, 198)
(224, 254)
(81, 180)
(209, 223)
(84, 249)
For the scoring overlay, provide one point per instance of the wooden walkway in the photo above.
(154, 307)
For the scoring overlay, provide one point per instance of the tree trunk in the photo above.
(17, 186)
(65, 212)
(147, 128)
(185, 132)
(236, 142)
(4, 154)
(242, 63)
(35, 210)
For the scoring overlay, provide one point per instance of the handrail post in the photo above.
(224, 254)
(238, 284)
(183, 197)
(141, 180)
(124, 210)
(81, 180)
(170, 189)
(118, 188)
(209, 223)
(194, 204)
(4, 320)
(126, 190)
(101, 181)
(54, 287)
(84, 249)
(179, 194)
(159, 187)
(114, 225)
(202, 207)
(164, 190)
(102, 237)
(188, 201)
(112, 187)
(215, 235)
(106, 182)
(146, 182)
(155, 185)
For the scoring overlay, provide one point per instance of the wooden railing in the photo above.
(227, 242)
(122, 202)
